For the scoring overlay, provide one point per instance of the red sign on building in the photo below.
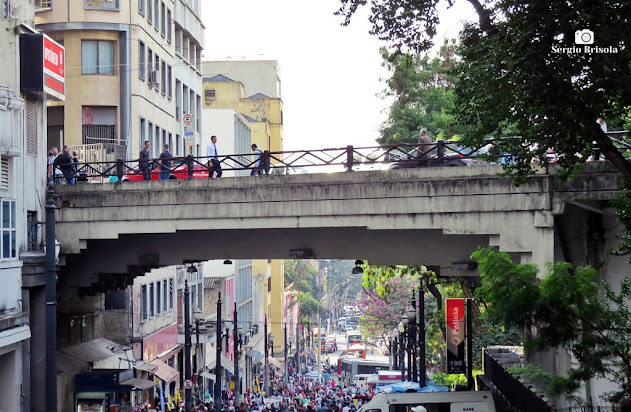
(42, 65)
(455, 335)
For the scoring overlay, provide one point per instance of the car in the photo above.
(454, 155)
(179, 172)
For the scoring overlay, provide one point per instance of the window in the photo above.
(32, 120)
(97, 57)
(198, 98)
(171, 148)
(163, 17)
(164, 138)
(157, 69)
(150, 68)
(143, 133)
(169, 26)
(164, 78)
(143, 301)
(156, 8)
(157, 146)
(158, 297)
(141, 60)
(141, 7)
(152, 303)
(31, 227)
(9, 231)
(149, 11)
(209, 95)
(170, 76)
(165, 293)
(43, 4)
(101, 4)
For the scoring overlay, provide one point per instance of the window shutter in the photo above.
(4, 173)
(31, 127)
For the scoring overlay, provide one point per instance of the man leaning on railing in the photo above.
(66, 165)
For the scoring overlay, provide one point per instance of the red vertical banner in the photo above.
(455, 335)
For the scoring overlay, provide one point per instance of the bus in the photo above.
(353, 336)
(352, 366)
(431, 402)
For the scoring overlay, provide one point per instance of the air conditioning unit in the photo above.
(153, 78)
(246, 339)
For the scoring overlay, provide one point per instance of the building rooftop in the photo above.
(248, 118)
(218, 78)
(258, 96)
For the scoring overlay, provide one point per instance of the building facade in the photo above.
(128, 62)
(22, 196)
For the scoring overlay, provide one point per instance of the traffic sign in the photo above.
(187, 119)
(188, 384)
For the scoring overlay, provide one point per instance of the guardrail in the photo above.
(436, 154)
(518, 395)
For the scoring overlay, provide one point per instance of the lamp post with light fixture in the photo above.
(197, 314)
(401, 330)
(411, 312)
(51, 302)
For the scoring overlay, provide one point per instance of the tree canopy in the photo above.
(422, 88)
(568, 308)
(522, 70)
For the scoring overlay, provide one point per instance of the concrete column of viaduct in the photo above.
(415, 216)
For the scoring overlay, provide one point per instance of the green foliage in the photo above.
(423, 92)
(622, 206)
(567, 308)
(308, 306)
(304, 276)
(451, 381)
(519, 73)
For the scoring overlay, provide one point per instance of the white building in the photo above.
(22, 196)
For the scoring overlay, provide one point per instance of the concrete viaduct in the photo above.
(110, 233)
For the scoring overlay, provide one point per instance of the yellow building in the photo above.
(253, 89)
(132, 70)
(265, 113)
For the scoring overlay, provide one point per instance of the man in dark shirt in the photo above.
(66, 165)
(145, 155)
(165, 162)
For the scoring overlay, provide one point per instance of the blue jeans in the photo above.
(164, 175)
(259, 172)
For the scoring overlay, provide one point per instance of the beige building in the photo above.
(132, 71)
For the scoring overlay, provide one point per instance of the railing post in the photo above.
(120, 169)
(266, 161)
(440, 147)
(349, 158)
(189, 163)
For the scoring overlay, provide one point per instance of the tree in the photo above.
(519, 71)
(567, 308)
(423, 92)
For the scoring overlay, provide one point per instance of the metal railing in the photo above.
(518, 395)
(106, 162)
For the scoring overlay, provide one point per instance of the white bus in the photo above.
(431, 402)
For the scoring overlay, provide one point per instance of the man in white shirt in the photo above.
(257, 170)
(214, 164)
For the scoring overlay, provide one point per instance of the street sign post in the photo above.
(187, 119)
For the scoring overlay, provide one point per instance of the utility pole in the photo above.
(51, 302)
(218, 369)
(237, 338)
(421, 332)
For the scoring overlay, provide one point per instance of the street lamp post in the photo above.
(285, 379)
(395, 349)
(188, 401)
(51, 302)
(408, 347)
(218, 368)
(266, 371)
(402, 350)
(237, 341)
(421, 331)
(411, 312)
(389, 338)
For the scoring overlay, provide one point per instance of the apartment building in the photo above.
(127, 65)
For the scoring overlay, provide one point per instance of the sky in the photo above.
(331, 75)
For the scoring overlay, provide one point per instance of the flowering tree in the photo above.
(382, 312)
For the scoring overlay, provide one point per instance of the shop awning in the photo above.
(254, 354)
(139, 383)
(225, 363)
(208, 375)
(146, 367)
(101, 353)
(275, 362)
(164, 371)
